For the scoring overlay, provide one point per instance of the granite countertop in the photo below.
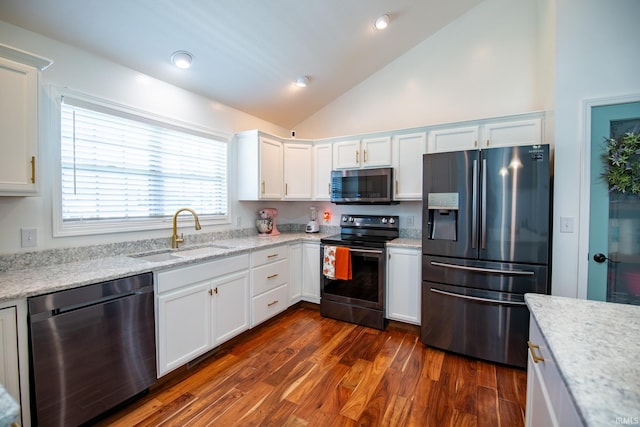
(29, 282)
(596, 346)
(403, 242)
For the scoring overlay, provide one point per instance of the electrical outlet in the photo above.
(29, 237)
(410, 221)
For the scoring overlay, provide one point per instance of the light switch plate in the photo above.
(29, 237)
(566, 224)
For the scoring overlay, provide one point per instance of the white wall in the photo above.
(484, 64)
(597, 45)
(85, 72)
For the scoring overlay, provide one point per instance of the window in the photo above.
(132, 171)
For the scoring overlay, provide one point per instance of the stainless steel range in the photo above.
(359, 299)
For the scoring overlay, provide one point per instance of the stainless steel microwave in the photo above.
(362, 186)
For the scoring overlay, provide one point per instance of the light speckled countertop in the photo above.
(596, 346)
(404, 242)
(29, 282)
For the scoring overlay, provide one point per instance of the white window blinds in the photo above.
(119, 166)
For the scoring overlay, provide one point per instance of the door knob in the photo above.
(600, 258)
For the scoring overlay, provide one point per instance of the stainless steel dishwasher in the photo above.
(91, 348)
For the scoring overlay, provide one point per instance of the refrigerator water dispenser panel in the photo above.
(443, 216)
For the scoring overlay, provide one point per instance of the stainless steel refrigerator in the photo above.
(486, 241)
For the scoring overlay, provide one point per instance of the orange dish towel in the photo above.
(343, 264)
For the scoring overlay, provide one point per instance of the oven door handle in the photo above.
(489, 300)
(484, 270)
(366, 251)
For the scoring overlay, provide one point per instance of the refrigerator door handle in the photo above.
(484, 270)
(474, 204)
(493, 301)
(483, 235)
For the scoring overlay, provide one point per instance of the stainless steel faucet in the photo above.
(175, 240)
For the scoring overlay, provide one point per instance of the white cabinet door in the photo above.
(19, 125)
(346, 154)
(295, 273)
(297, 171)
(508, 134)
(407, 162)
(311, 272)
(9, 368)
(453, 139)
(184, 325)
(322, 162)
(230, 300)
(376, 152)
(368, 153)
(403, 285)
(271, 172)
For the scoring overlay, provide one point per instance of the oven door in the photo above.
(366, 287)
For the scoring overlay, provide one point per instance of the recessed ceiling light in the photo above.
(182, 59)
(302, 81)
(382, 22)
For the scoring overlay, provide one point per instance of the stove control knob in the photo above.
(345, 219)
(351, 219)
(384, 220)
(392, 220)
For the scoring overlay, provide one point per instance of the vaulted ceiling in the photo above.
(248, 53)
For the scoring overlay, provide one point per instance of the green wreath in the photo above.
(622, 163)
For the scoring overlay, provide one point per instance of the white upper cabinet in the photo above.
(453, 139)
(505, 134)
(297, 171)
(407, 163)
(365, 153)
(19, 76)
(322, 164)
(259, 167)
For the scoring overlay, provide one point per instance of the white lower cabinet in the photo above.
(14, 359)
(403, 284)
(200, 307)
(269, 283)
(295, 273)
(311, 272)
(548, 400)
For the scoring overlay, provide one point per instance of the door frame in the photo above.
(585, 182)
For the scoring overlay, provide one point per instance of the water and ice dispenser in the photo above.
(443, 216)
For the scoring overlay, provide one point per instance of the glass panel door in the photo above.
(614, 229)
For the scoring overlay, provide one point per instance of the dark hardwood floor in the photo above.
(301, 369)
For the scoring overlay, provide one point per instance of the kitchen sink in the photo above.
(157, 257)
(202, 251)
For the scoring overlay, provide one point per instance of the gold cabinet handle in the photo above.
(286, 189)
(329, 187)
(272, 255)
(365, 156)
(210, 292)
(262, 187)
(216, 290)
(33, 169)
(272, 303)
(396, 186)
(357, 158)
(532, 349)
(487, 142)
(475, 143)
(273, 276)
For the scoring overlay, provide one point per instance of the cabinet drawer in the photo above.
(268, 255)
(269, 276)
(269, 304)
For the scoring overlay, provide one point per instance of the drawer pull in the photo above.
(273, 276)
(272, 303)
(532, 349)
(272, 255)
